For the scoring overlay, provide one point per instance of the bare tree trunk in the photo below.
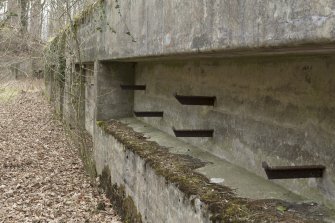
(24, 16)
(35, 19)
(13, 12)
(57, 16)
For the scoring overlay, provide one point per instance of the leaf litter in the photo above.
(42, 178)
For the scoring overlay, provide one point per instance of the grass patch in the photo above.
(8, 94)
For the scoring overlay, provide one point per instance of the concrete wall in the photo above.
(143, 28)
(275, 109)
(23, 69)
(58, 92)
(55, 88)
(69, 112)
(6, 73)
(154, 198)
(112, 101)
(29, 67)
(74, 96)
(90, 98)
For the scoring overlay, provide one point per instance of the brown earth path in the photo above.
(42, 178)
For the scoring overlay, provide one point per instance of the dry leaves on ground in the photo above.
(42, 178)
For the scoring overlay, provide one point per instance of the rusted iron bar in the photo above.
(193, 133)
(196, 100)
(293, 172)
(133, 87)
(149, 114)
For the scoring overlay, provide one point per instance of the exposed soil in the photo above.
(42, 178)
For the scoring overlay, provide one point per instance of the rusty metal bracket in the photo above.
(133, 87)
(194, 133)
(196, 100)
(149, 114)
(293, 172)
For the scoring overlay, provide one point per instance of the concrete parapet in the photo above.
(165, 186)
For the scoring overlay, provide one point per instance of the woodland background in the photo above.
(27, 25)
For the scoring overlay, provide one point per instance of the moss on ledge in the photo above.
(221, 201)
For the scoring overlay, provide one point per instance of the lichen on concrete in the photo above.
(220, 201)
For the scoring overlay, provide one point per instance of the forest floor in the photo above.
(42, 178)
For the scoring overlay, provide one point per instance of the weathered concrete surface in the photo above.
(278, 109)
(245, 183)
(90, 97)
(112, 101)
(274, 109)
(74, 96)
(21, 70)
(135, 29)
(69, 111)
(156, 201)
(29, 67)
(160, 196)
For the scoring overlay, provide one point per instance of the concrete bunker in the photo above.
(261, 95)
(276, 109)
(79, 96)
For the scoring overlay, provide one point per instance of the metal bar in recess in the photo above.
(293, 172)
(148, 114)
(196, 100)
(133, 87)
(194, 133)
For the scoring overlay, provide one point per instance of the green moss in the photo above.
(7, 94)
(101, 124)
(179, 170)
(123, 204)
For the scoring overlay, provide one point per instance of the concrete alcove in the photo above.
(276, 109)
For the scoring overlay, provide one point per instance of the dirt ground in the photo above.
(42, 178)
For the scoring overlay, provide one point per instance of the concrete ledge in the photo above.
(165, 187)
